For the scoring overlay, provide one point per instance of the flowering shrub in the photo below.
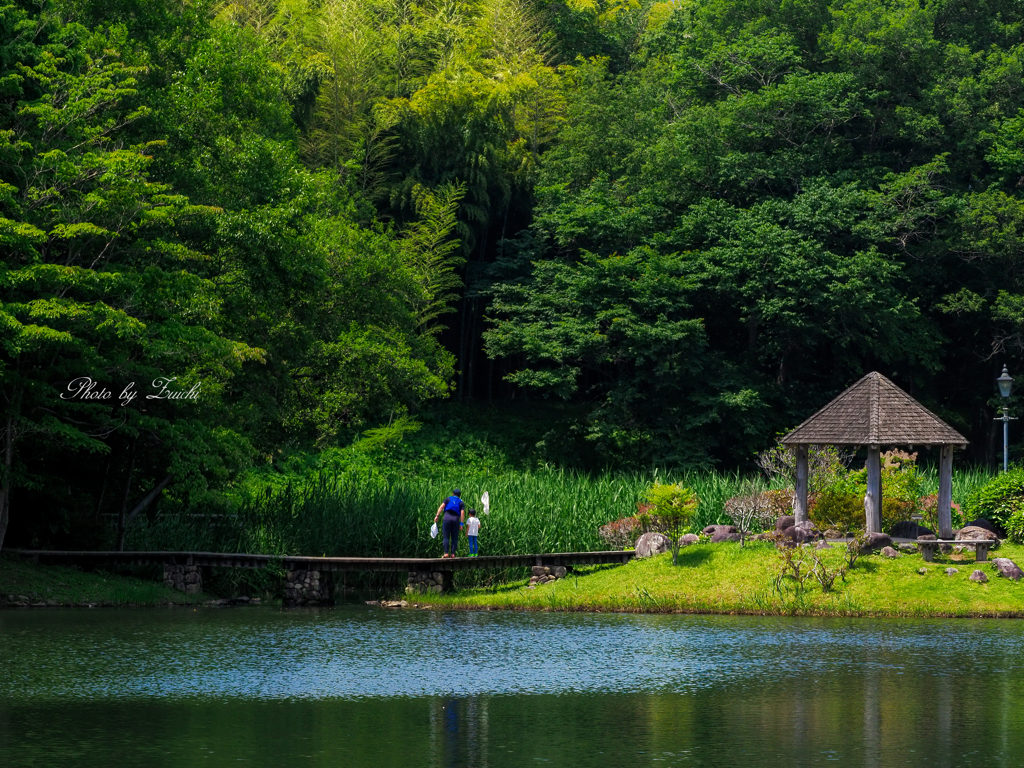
(929, 507)
(621, 533)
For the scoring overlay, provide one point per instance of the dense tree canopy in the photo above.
(691, 221)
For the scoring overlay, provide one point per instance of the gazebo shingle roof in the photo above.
(874, 411)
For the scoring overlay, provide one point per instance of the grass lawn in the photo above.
(724, 578)
(57, 585)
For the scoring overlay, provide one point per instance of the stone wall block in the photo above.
(309, 588)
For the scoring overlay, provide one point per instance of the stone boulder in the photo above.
(1007, 568)
(875, 541)
(988, 525)
(977, 533)
(908, 547)
(979, 577)
(889, 552)
(724, 536)
(711, 530)
(927, 537)
(651, 544)
(908, 529)
(542, 574)
(722, 533)
(799, 534)
(784, 522)
(834, 533)
(687, 539)
(823, 545)
(951, 571)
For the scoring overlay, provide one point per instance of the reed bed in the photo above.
(370, 514)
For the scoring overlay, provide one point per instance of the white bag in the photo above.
(485, 500)
(433, 530)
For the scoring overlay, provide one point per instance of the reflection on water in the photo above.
(370, 687)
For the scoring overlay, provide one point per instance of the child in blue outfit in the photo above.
(472, 531)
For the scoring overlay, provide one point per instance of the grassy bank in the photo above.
(25, 582)
(725, 578)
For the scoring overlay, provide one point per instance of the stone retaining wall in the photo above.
(184, 578)
(309, 588)
(429, 581)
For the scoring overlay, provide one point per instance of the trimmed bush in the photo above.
(999, 500)
(837, 509)
(1015, 527)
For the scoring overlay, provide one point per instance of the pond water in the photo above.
(356, 686)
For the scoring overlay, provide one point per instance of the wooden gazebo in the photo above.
(874, 412)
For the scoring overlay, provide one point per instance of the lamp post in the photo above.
(1005, 383)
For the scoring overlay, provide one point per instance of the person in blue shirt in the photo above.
(454, 518)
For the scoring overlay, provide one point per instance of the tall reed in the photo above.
(371, 514)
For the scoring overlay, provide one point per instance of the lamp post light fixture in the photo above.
(1005, 383)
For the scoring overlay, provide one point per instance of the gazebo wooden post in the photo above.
(945, 499)
(873, 498)
(800, 497)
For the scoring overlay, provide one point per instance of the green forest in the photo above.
(631, 234)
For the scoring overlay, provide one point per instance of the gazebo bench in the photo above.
(981, 547)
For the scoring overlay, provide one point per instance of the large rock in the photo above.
(784, 522)
(908, 529)
(810, 529)
(720, 533)
(977, 533)
(979, 577)
(890, 553)
(988, 525)
(1007, 568)
(799, 535)
(721, 536)
(651, 544)
(875, 541)
(823, 545)
(688, 538)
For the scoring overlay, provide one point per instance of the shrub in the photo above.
(780, 502)
(837, 508)
(929, 507)
(826, 464)
(622, 533)
(752, 510)
(841, 505)
(1015, 527)
(1000, 499)
(668, 510)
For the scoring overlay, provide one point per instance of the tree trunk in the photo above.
(5, 474)
(122, 514)
(146, 501)
(103, 487)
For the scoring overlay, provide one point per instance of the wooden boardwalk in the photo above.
(296, 563)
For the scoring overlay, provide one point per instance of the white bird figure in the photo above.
(485, 500)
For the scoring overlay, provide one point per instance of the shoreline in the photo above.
(725, 579)
(711, 579)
